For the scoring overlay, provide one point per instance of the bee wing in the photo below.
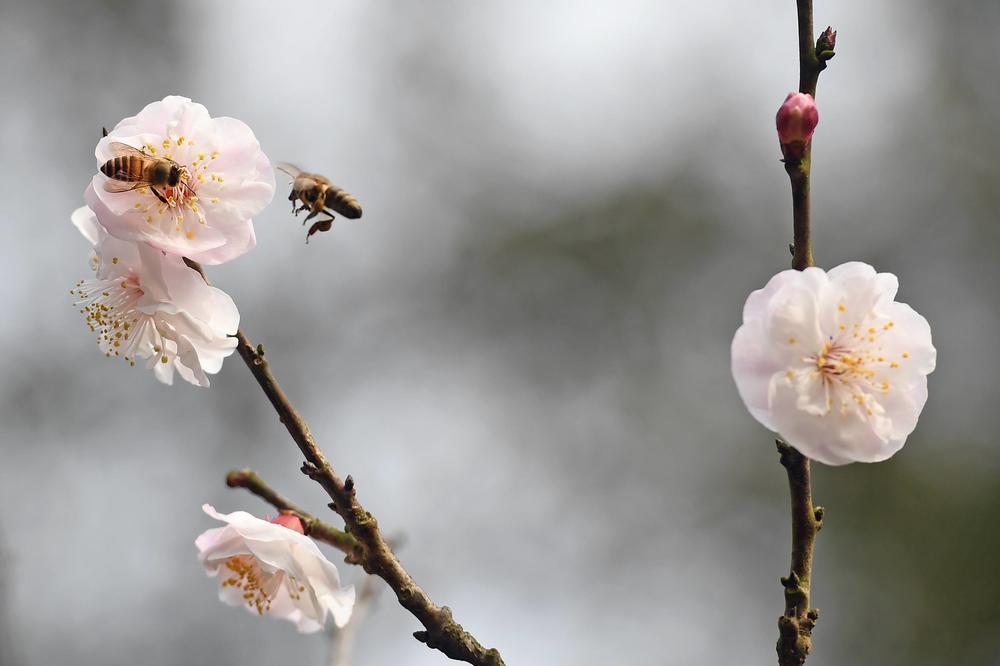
(112, 185)
(123, 149)
(290, 169)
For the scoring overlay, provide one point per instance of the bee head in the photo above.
(175, 175)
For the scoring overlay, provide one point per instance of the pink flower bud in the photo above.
(291, 521)
(797, 118)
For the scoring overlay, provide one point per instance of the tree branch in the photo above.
(796, 624)
(441, 632)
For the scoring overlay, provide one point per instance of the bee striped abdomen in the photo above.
(343, 203)
(126, 167)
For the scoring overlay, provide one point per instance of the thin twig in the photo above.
(796, 624)
(314, 527)
(440, 632)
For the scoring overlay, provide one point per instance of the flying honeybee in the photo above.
(319, 195)
(131, 168)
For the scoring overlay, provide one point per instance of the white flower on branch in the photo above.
(147, 306)
(224, 179)
(832, 363)
(271, 568)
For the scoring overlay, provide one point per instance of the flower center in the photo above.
(854, 366)
(836, 363)
(110, 309)
(180, 211)
(259, 587)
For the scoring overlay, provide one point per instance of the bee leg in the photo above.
(158, 195)
(322, 225)
(310, 216)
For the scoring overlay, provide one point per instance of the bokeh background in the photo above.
(521, 352)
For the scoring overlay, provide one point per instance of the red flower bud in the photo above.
(291, 521)
(797, 118)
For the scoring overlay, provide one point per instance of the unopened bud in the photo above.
(827, 40)
(291, 521)
(797, 118)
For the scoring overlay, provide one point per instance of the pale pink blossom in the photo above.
(832, 363)
(270, 568)
(226, 179)
(149, 307)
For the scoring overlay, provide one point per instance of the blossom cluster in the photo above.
(172, 186)
(172, 183)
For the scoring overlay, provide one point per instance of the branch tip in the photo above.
(238, 477)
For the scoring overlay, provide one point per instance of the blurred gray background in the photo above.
(521, 352)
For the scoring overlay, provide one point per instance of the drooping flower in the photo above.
(147, 306)
(797, 118)
(271, 568)
(832, 363)
(224, 180)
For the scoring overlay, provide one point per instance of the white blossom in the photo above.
(147, 306)
(225, 181)
(832, 363)
(272, 569)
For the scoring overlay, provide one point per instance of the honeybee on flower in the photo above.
(182, 181)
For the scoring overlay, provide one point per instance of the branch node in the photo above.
(404, 594)
(827, 41)
(349, 484)
(818, 514)
(360, 517)
(787, 454)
